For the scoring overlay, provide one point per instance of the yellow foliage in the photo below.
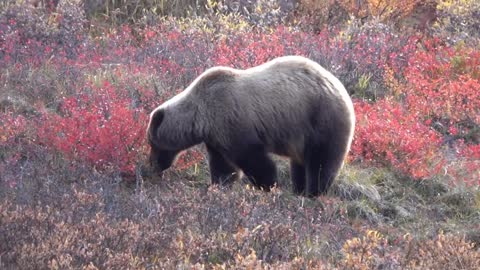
(381, 9)
(360, 253)
(445, 252)
(457, 6)
(391, 82)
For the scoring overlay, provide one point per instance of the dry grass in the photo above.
(64, 217)
(57, 213)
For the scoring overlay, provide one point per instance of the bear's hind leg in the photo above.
(332, 161)
(222, 172)
(313, 161)
(297, 173)
(312, 170)
(259, 168)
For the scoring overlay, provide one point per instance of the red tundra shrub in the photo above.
(100, 128)
(466, 168)
(357, 55)
(443, 84)
(442, 89)
(387, 134)
(255, 48)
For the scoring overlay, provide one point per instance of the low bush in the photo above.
(457, 21)
(373, 250)
(442, 90)
(101, 128)
(389, 134)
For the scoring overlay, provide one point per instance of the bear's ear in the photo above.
(156, 119)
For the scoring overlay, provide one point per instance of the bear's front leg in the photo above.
(297, 173)
(222, 172)
(258, 167)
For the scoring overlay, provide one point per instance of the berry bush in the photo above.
(101, 128)
(388, 134)
(416, 98)
(78, 80)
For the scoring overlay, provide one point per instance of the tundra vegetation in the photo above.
(78, 79)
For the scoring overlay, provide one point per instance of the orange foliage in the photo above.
(382, 9)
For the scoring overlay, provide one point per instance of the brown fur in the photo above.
(290, 106)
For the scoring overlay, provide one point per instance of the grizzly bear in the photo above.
(290, 106)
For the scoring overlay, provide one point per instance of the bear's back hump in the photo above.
(290, 83)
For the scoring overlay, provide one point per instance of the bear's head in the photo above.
(162, 155)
